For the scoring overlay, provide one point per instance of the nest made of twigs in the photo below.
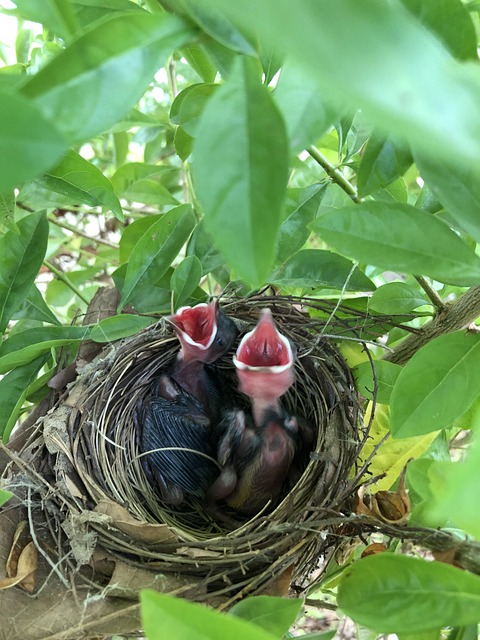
(96, 482)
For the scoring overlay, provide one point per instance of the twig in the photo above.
(335, 174)
(435, 299)
(453, 317)
(63, 278)
(69, 227)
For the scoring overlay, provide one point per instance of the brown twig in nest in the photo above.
(99, 494)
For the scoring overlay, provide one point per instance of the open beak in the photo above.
(196, 326)
(264, 361)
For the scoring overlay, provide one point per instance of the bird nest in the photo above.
(90, 479)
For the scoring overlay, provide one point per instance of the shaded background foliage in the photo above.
(183, 149)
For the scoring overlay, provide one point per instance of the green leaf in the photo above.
(240, 169)
(393, 593)
(316, 268)
(34, 307)
(89, 11)
(29, 143)
(469, 632)
(198, 60)
(437, 385)
(92, 84)
(5, 496)
(386, 374)
(383, 161)
(450, 20)
(400, 238)
(305, 110)
(457, 188)
(395, 298)
(117, 327)
(13, 392)
(82, 181)
(56, 16)
(275, 615)
(21, 255)
(183, 144)
(457, 499)
(164, 616)
(132, 234)
(156, 249)
(347, 47)
(189, 104)
(302, 207)
(216, 25)
(435, 634)
(201, 245)
(128, 176)
(185, 279)
(7, 208)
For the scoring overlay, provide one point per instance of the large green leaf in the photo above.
(437, 385)
(386, 374)
(117, 327)
(34, 307)
(397, 297)
(376, 56)
(92, 84)
(275, 615)
(156, 249)
(457, 188)
(82, 181)
(400, 238)
(13, 388)
(393, 593)
(164, 616)
(189, 104)
(316, 268)
(240, 169)
(21, 255)
(451, 21)
(185, 280)
(306, 112)
(53, 14)
(29, 143)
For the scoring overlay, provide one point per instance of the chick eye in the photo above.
(220, 342)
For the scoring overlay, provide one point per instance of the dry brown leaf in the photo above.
(280, 585)
(15, 550)
(137, 529)
(390, 506)
(25, 568)
(373, 549)
(448, 557)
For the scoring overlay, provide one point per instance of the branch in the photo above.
(453, 317)
(335, 174)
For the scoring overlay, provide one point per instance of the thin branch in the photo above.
(453, 317)
(432, 294)
(335, 174)
(63, 278)
(69, 227)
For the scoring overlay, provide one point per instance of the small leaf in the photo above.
(457, 188)
(29, 143)
(21, 255)
(240, 169)
(437, 385)
(201, 245)
(5, 496)
(316, 268)
(275, 615)
(126, 179)
(92, 84)
(118, 327)
(54, 15)
(183, 143)
(302, 206)
(156, 249)
(82, 181)
(13, 391)
(185, 279)
(395, 298)
(189, 104)
(383, 161)
(34, 307)
(386, 373)
(306, 112)
(393, 593)
(132, 234)
(198, 60)
(164, 616)
(401, 238)
(7, 208)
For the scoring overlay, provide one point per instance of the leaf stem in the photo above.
(335, 174)
(63, 278)
(431, 293)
